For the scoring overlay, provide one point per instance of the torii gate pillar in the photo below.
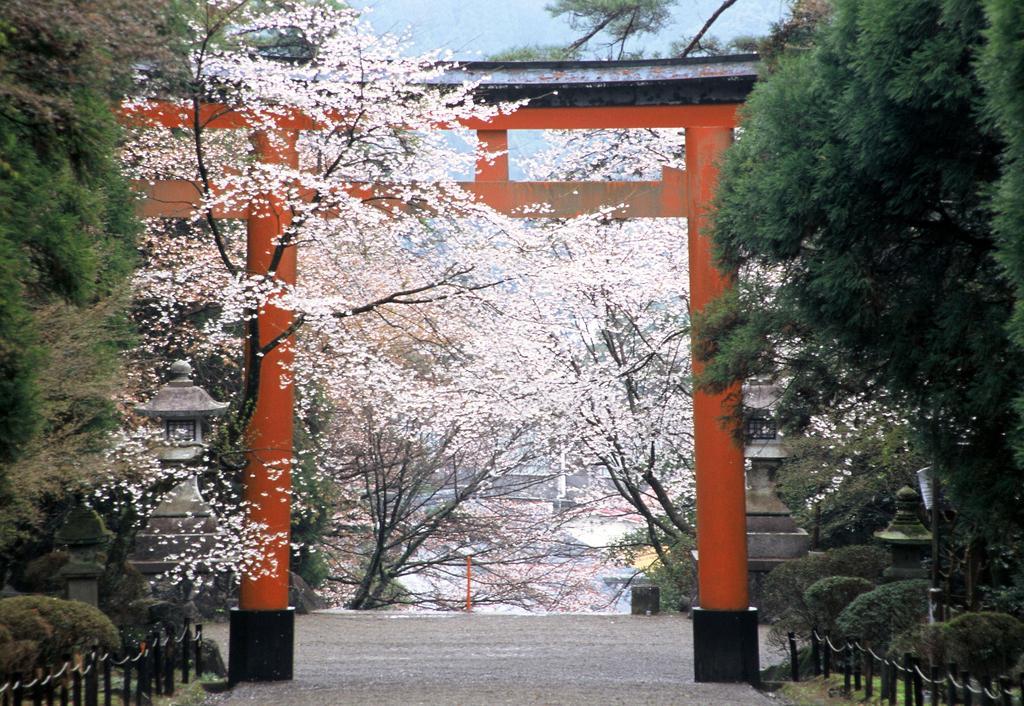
(725, 640)
(261, 642)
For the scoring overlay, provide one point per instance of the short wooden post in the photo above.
(965, 678)
(186, 645)
(847, 668)
(919, 683)
(126, 684)
(199, 650)
(857, 659)
(815, 652)
(908, 681)
(794, 659)
(168, 673)
(826, 648)
(76, 683)
(1005, 695)
(157, 672)
(869, 676)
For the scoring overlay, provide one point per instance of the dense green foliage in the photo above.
(881, 615)
(798, 595)
(872, 458)
(786, 585)
(67, 231)
(1002, 72)
(981, 643)
(856, 205)
(40, 630)
(826, 598)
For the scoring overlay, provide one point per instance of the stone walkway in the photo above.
(359, 658)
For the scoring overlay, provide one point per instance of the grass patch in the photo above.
(817, 691)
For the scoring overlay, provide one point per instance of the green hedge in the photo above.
(882, 614)
(828, 597)
(40, 630)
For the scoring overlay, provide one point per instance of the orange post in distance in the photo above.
(469, 584)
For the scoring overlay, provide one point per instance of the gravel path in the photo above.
(359, 658)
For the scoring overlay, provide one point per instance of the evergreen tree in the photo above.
(855, 204)
(1002, 71)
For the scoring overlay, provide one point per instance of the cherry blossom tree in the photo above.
(439, 346)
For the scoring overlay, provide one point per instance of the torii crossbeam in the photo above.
(700, 96)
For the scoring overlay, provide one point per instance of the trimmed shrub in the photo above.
(41, 629)
(880, 615)
(784, 587)
(984, 643)
(826, 598)
(861, 560)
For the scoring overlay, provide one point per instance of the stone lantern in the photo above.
(182, 522)
(86, 537)
(772, 535)
(907, 538)
(183, 407)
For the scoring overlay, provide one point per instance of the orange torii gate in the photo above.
(702, 97)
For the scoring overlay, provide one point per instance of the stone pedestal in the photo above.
(772, 535)
(181, 525)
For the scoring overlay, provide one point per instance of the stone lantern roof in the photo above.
(181, 398)
(905, 528)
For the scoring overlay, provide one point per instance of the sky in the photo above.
(474, 29)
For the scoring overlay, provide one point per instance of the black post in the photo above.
(92, 680)
(168, 674)
(106, 679)
(826, 648)
(965, 677)
(1004, 691)
(64, 681)
(815, 652)
(908, 682)
(142, 675)
(157, 672)
(919, 684)
(858, 658)
(847, 668)
(199, 650)
(986, 684)
(76, 686)
(894, 682)
(186, 646)
(126, 685)
(794, 661)
(934, 692)
(51, 690)
(37, 691)
(869, 676)
(951, 695)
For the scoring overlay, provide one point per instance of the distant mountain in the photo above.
(475, 29)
